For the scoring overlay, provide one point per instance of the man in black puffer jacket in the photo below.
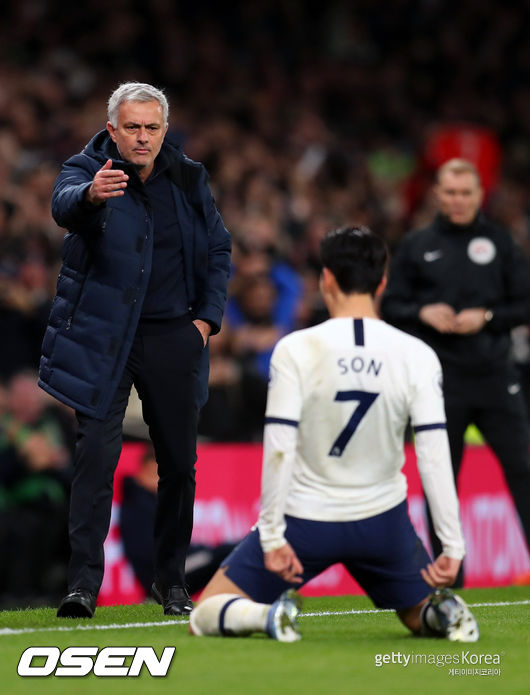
(461, 285)
(143, 284)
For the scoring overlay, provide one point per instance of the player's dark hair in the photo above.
(357, 258)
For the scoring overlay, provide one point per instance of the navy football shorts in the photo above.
(382, 553)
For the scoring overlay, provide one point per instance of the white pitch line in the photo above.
(322, 614)
(6, 631)
(391, 610)
(77, 628)
(523, 602)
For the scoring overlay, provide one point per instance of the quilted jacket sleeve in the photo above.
(69, 208)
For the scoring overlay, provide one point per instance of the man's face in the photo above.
(459, 196)
(139, 134)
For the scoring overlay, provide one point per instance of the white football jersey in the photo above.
(349, 386)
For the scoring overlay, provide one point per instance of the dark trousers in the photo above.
(495, 404)
(163, 365)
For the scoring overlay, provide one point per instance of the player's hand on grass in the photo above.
(442, 572)
(284, 562)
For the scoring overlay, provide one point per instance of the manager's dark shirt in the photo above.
(166, 292)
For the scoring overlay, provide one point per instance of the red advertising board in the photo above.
(227, 504)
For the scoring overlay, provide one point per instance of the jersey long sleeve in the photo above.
(279, 447)
(434, 466)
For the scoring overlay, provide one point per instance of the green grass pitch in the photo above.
(342, 639)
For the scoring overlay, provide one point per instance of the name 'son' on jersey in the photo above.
(358, 364)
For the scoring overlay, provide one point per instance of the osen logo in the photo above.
(79, 661)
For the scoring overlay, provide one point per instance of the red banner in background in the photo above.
(227, 505)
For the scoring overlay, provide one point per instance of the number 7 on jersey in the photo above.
(364, 401)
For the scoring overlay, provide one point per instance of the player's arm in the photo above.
(434, 466)
(279, 451)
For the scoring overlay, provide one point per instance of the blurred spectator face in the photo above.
(140, 133)
(253, 264)
(459, 196)
(25, 398)
(259, 233)
(257, 301)
(33, 275)
(40, 181)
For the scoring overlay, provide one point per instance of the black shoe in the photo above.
(176, 601)
(79, 603)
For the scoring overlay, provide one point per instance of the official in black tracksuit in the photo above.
(143, 284)
(460, 285)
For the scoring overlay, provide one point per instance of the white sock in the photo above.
(228, 614)
(430, 624)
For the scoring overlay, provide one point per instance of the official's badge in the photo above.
(481, 250)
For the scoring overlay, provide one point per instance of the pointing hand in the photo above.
(107, 183)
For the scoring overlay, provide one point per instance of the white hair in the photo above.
(135, 91)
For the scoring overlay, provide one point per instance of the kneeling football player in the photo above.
(340, 396)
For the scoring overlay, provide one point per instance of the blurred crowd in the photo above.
(307, 115)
